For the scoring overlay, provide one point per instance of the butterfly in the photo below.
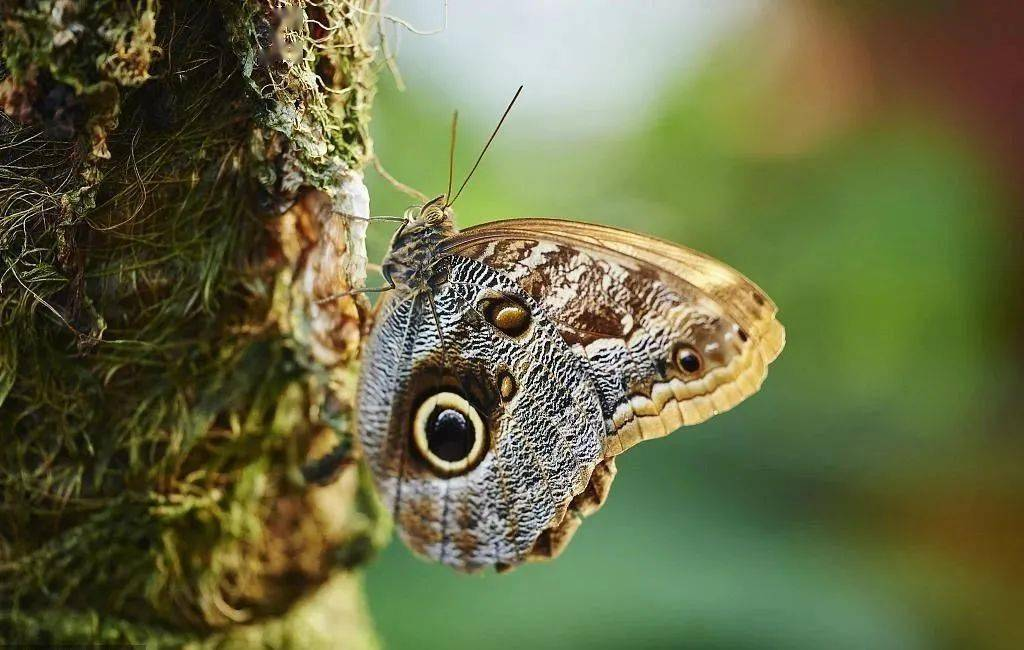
(512, 362)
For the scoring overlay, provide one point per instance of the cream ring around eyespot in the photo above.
(447, 400)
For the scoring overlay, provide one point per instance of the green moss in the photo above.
(153, 411)
(54, 627)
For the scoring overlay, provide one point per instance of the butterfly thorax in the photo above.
(416, 246)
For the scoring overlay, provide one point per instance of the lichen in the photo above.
(95, 48)
(167, 363)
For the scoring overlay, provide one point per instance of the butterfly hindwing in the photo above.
(534, 398)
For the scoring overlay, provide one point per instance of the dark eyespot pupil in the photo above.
(689, 361)
(450, 435)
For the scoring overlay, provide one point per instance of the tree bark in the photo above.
(181, 191)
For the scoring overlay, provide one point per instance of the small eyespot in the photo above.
(449, 434)
(743, 335)
(687, 359)
(507, 315)
(507, 387)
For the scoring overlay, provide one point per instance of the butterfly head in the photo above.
(435, 214)
(414, 246)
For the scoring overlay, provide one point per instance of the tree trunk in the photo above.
(180, 187)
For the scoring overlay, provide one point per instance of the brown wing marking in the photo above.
(660, 407)
(743, 300)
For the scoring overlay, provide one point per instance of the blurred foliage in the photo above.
(871, 495)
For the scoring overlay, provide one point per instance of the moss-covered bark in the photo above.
(178, 181)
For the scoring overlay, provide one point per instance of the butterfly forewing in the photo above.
(672, 336)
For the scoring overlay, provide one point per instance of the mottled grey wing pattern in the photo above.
(671, 336)
(534, 396)
(517, 359)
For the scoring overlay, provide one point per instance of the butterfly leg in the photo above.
(351, 292)
(326, 469)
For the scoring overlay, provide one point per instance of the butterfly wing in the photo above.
(672, 336)
(477, 359)
(628, 337)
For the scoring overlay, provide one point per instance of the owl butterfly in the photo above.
(513, 361)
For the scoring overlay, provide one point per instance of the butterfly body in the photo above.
(515, 360)
(415, 247)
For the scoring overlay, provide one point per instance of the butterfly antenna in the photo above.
(484, 150)
(451, 155)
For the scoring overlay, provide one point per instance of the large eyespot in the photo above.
(687, 359)
(449, 434)
(506, 314)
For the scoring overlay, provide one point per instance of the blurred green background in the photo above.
(851, 159)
